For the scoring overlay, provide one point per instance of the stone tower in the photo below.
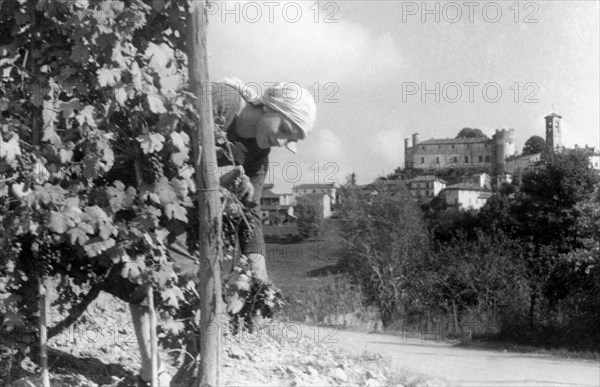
(553, 131)
(503, 146)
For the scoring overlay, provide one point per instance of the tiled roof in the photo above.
(466, 187)
(314, 186)
(427, 178)
(276, 207)
(269, 194)
(441, 141)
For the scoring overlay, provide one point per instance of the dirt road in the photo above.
(465, 366)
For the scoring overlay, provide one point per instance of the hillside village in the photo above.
(463, 172)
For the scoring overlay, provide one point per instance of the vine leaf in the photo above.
(10, 150)
(50, 193)
(3, 189)
(181, 141)
(155, 103)
(151, 142)
(59, 223)
(97, 246)
(80, 53)
(79, 233)
(65, 155)
(176, 211)
(179, 158)
(172, 296)
(164, 190)
(132, 270)
(172, 327)
(108, 77)
(118, 197)
(86, 117)
(99, 221)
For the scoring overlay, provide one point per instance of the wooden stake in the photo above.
(153, 341)
(43, 305)
(205, 163)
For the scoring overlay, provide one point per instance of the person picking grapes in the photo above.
(283, 115)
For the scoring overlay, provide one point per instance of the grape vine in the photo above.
(95, 160)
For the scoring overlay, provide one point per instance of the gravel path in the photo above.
(465, 366)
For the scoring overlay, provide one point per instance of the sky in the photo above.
(382, 70)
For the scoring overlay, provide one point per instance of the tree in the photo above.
(385, 239)
(477, 272)
(470, 133)
(535, 144)
(309, 211)
(545, 220)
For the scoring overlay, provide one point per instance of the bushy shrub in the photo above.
(385, 239)
(310, 217)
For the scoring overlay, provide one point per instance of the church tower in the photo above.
(553, 131)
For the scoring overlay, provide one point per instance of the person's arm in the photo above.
(254, 248)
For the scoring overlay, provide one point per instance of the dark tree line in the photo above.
(525, 264)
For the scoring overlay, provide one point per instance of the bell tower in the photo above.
(553, 131)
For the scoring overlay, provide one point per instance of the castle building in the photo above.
(469, 153)
(496, 156)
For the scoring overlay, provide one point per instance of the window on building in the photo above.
(480, 159)
(422, 160)
(452, 146)
(437, 160)
(423, 147)
(455, 159)
(426, 193)
(466, 159)
(439, 147)
(314, 191)
(487, 159)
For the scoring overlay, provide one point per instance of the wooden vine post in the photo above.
(205, 163)
(44, 306)
(153, 339)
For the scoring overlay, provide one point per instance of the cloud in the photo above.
(388, 147)
(304, 51)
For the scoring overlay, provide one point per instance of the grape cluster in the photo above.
(48, 251)
(156, 167)
(25, 166)
(14, 248)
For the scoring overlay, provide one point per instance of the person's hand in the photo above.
(236, 181)
(245, 189)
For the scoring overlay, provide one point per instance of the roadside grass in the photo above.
(316, 289)
(492, 343)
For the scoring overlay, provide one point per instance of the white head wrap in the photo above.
(294, 102)
(289, 99)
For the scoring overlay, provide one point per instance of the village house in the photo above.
(325, 194)
(425, 187)
(276, 208)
